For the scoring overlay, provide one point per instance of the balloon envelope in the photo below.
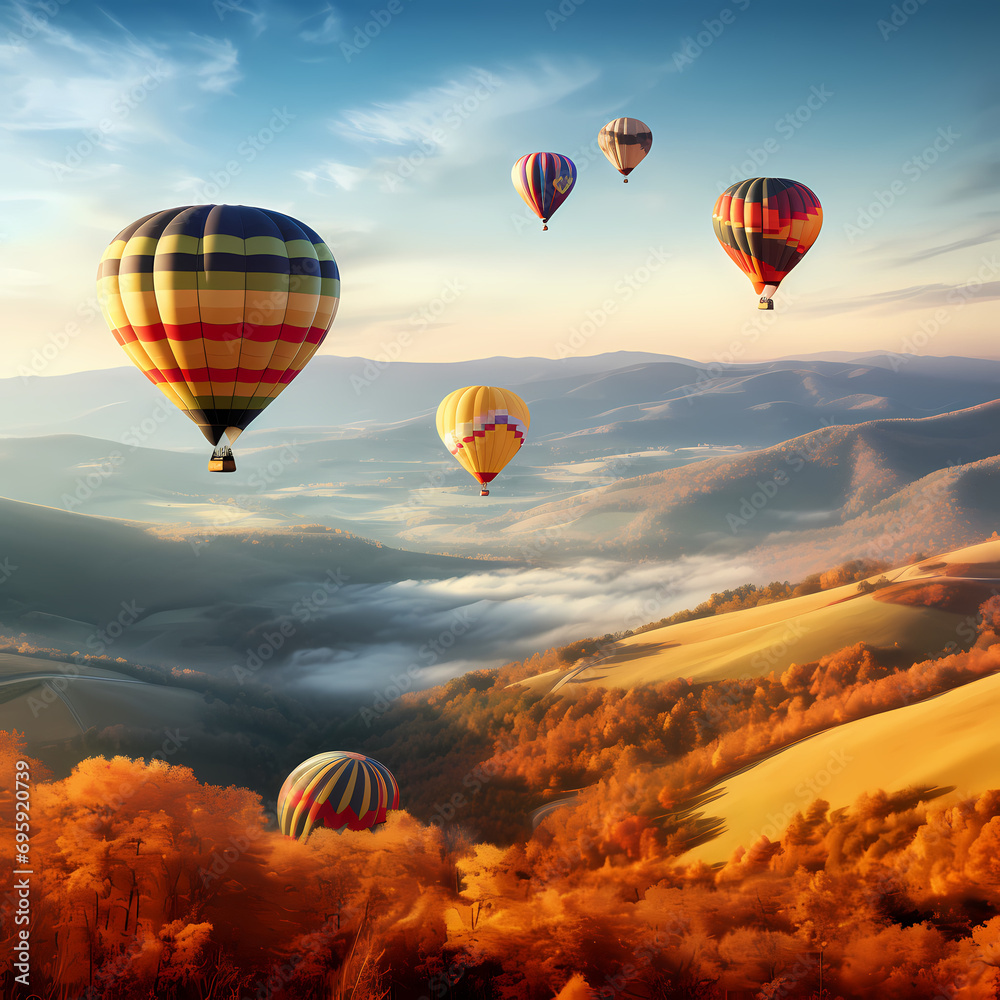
(625, 142)
(336, 790)
(766, 225)
(220, 306)
(483, 426)
(544, 181)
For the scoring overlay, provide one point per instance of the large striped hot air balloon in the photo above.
(544, 180)
(483, 426)
(336, 790)
(220, 307)
(625, 142)
(766, 224)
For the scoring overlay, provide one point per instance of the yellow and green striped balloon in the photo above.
(220, 307)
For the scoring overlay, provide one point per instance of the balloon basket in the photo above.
(765, 304)
(222, 460)
(484, 493)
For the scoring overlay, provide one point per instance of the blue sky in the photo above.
(398, 152)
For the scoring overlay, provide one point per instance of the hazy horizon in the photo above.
(396, 147)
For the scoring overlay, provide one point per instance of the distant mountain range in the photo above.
(880, 489)
(793, 463)
(585, 405)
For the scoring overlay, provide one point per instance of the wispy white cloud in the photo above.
(459, 122)
(258, 16)
(926, 253)
(342, 175)
(16, 282)
(325, 28)
(431, 114)
(935, 295)
(219, 71)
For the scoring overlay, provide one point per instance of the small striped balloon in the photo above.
(625, 142)
(336, 790)
(544, 181)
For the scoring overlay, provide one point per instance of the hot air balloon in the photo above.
(336, 790)
(544, 180)
(625, 142)
(483, 426)
(766, 224)
(220, 307)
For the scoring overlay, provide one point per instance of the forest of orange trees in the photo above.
(152, 884)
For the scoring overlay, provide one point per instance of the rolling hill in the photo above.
(946, 745)
(185, 596)
(885, 487)
(918, 613)
(943, 746)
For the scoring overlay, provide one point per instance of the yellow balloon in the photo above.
(483, 426)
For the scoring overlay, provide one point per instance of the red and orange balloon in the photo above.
(766, 225)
